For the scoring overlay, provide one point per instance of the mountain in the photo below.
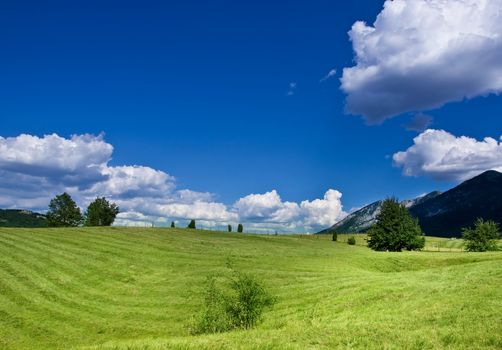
(362, 219)
(446, 214)
(21, 218)
(440, 214)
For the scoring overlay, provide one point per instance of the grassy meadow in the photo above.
(133, 288)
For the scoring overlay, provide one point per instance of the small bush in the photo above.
(483, 237)
(351, 240)
(335, 237)
(240, 305)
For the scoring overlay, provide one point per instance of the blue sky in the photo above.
(200, 91)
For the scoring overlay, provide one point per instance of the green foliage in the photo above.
(334, 238)
(351, 240)
(101, 213)
(240, 305)
(63, 212)
(229, 228)
(240, 228)
(482, 237)
(21, 218)
(173, 225)
(191, 224)
(395, 229)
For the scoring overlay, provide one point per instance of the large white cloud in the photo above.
(34, 169)
(443, 156)
(422, 54)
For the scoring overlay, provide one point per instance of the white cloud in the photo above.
(34, 169)
(331, 74)
(420, 55)
(443, 156)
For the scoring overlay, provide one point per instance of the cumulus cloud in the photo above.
(443, 156)
(34, 169)
(269, 208)
(420, 55)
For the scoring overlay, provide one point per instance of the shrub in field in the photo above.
(101, 213)
(191, 224)
(395, 229)
(63, 212)
(334, 237)
(239, 305)
(351, 240)
(482, 237)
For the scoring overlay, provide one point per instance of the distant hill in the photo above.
(440, 214)
(362, 219)
(446, 214)
(21, 218)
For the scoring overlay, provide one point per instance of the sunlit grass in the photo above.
(118, 288)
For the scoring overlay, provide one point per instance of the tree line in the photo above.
(64, 212)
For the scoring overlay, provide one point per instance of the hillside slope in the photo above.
(446, 214)
(117, 288)
(21, 218)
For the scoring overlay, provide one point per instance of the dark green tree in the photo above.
(101, 213)
(63, 212)
(351, 240)
(334, 238)
(395, 229)
(482, 237)
(240, 228)
(173, 225)
(229, 228)
(191, 224)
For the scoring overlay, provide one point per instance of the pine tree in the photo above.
(395, 229)
(240, 228)
(191, 224)
(173, 225)
(63, 212)
(229, 228)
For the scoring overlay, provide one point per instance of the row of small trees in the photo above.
(192, 225)
(396, 230)
(64, 212)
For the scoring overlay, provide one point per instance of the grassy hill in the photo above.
(117, 288)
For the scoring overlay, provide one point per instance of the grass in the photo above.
(130, 288)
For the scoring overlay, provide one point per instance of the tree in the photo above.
(63, 212)
(101, 213)
(191, 224)
(482, 237)
(240, 228)
(395, 229)
(351, 240)
(334, 238)
(229, 228)
(173, 225)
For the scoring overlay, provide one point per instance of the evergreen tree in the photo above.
(101, 213)
(229, 228)
(191, 224)
(395, 229)
(240, 228)
(63, 212)
(173, 225)
(483, 237)
(334, 238)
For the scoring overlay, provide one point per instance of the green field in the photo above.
(117, 288)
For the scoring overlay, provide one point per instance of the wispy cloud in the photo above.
(331, 74)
